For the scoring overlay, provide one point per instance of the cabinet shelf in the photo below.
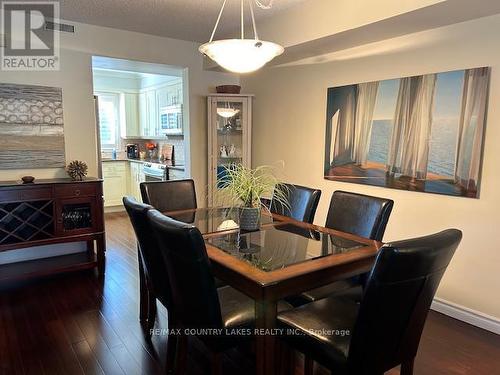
(47, 266)
(232, 131)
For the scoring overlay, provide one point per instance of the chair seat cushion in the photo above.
(322, 328)
(238, 310)
(338, 288)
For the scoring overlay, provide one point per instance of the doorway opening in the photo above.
(142, 125)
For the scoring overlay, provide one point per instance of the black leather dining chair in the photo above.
(169, 195)
(152, 273)
(198, 303)
(358, 214)
(302, 202)
(384, 330)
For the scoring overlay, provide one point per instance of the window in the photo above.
(445, 123)
(109, 120)
(383, 121)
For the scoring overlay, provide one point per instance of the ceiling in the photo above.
(181, 19)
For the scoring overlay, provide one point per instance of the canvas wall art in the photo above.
(422, 133)
(31, 127)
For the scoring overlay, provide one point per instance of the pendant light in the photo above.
(241, 55)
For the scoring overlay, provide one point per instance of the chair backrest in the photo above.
(303, 202)
(152, 260)
(396, 301)
(362, 215)
(194, 294)
(169, 195)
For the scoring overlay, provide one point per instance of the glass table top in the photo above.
(212, 220)
(276, 247)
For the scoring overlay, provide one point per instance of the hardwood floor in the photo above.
(76, 324)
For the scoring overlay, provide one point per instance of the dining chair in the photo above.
(384, 329)
(358, 214)
(199, 305)
(169, 195)
(302, 202)
(153, 280)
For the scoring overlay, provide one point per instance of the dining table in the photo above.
(283, 258)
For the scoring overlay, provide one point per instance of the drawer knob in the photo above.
(77, 192)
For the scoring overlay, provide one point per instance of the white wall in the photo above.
(289, 125)
(75, 78)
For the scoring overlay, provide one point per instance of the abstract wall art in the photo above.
(423, 133)
(31, 127)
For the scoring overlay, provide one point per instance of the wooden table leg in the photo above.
(101, 254)
(143, 293)
(265, 314)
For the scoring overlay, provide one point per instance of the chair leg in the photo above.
(143, 293)
(407, 367)
(216, 363)
(286, 362)
(172, 345)
(308, 365)
(181, 354)
(151, 299)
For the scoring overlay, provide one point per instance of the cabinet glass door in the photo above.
(229, 144)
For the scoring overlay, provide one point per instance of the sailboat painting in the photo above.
(422, 133)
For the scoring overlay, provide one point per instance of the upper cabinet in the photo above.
(129, 112)
(153, 112)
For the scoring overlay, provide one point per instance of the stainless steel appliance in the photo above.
(155, 172)
(132, 151)
(171, 119)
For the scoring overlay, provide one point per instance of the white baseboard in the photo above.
(466, 315)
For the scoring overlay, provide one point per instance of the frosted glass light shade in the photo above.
(241, 55)
(227, 112)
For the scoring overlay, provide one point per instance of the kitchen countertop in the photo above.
(167, 163)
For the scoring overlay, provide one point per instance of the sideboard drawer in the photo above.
(76, 190)
(25, 194)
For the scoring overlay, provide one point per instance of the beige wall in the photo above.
(76, 81)
(289, 125)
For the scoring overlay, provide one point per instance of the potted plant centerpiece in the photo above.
(244, 187)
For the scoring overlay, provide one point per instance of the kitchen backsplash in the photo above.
(176, 141)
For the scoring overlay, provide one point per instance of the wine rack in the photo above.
(26, 221)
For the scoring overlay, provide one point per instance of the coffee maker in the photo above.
(132, 151)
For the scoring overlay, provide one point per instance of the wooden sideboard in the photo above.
(49, 212)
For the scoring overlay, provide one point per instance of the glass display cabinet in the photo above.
(229, 136)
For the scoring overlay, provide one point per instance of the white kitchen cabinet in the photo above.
(162, 97)
(136, 177)
(152, 117)
(143, 112)
(130, 121)
(114, 174)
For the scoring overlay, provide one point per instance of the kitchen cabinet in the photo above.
(136, 177)
(163, 97)
(130, 121)
(140, 111)
(150, 127)
(115, 182)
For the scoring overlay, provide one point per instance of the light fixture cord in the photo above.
(256, 36)
(259, 4)
(217, 22)
(242, 20)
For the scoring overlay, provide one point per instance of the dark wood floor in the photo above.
(75, 324)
